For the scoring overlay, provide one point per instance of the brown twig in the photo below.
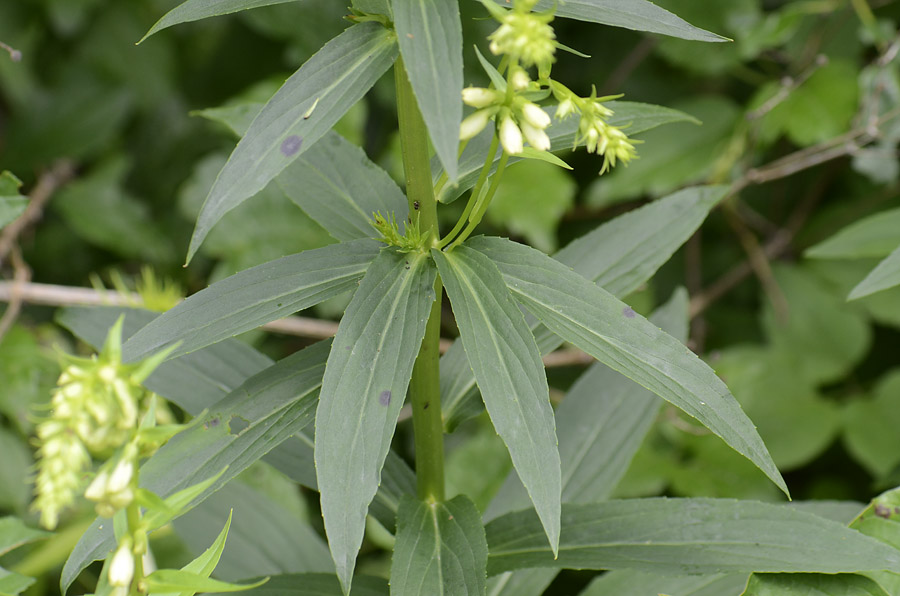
(21, 275)
(61, 172)
(14, 54)
(54, 295)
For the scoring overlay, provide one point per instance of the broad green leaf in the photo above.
(638, 15)
(174, 580)
(298, 115)
(15, 490)
(881, 520)
(595, 321)
(339, 187)
(687, 536)
(600, 424)
(318, 584)
(874, 236)
(12, 583)
(12, 204)
(440, 549)
(619, 255)
(206, 563)
(430, 36)
(254, 297)
(639, 117)
(885, 276)
(194, 381)
(265, 538)
(14, 533)
(636, 583)
(363, 390)
(869, 432)
(811, 584)
(827, 336)
(507, 365)
(194, 10)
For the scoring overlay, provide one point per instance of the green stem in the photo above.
(424, 387)
(133, 515)
(483, 202)
(476, 193)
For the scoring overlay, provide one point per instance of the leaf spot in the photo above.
(236, 425)
(212, 423)
(291, 145)
(385, 398)
(628, 312)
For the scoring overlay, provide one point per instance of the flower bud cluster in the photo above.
(94, 411)
(113, 487)
(524, 36)
(520, 120)
(594, 132)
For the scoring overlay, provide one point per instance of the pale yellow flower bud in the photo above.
(510, 136)
(121, 568)
(474, 124)
(478, 97)
(535, 116)
(520, 80)
(536, 137)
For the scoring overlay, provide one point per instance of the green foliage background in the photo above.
(147, 128)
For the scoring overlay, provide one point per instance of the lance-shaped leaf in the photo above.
(884, 276)
(875, 236)
(12, 204)
(194, 10)
(804, 584)
(597, 322)
(318, 584)
(365, 384)
(440, 549)
(619, 255)
(601, 424)
(339, 187)
(309, 103)
(430, 36)
(636, 583)
(638, 117)
(507, 365)
(638, 15)
(254, 297)
(679, 536)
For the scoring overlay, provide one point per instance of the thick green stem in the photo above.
(424, 387)
(133, 515)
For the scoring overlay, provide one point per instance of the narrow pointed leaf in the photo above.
(680, 536)
(12, 583)
(806, 584)
(172, 580)
(619, 255)
(254, 297)
(206, 563)
(318, 584)
(638, 117)
(601, 424)
(595, 321)
(14, 533)
(309, 103)
(339, 187)
(636, 583)
(430, 36)
(194, 10)
(365, 384)
(638, 15)
(875, 236)
(440, 549)
(884, 276)
(12, 203)
(507, 365)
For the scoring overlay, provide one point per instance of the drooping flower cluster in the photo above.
(94, 410)
(526, 40)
